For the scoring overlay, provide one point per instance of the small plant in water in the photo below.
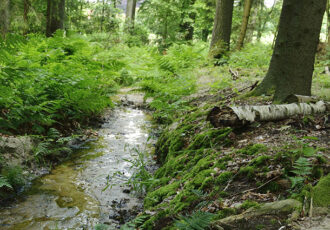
(141, 178)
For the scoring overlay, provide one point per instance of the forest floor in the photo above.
(224, 178)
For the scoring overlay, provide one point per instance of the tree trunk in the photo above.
(102, 16)
(328, 22)
(252, 26)
(246, 15)
(220, 42)
(26, 16)
(261, 23)
(130, 13)
(55, 16)
(187, 28)
(292, 64)
(4, 17)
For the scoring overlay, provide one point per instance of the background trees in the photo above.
(222, 28)
(4, 17)
(55, 16)
(159, 22)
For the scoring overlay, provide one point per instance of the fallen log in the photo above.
(237, 116)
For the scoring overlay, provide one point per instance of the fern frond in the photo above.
(4, 183)
(197, 221)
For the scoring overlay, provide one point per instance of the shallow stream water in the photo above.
(72, 196)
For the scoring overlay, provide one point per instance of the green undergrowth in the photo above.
(199, 161)
(52, 82)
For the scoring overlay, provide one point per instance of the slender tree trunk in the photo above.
(292, 64)
(26, 16)
(252, 26)
(328, 22)
(187, 28)
(220, 42)
(102, 16)
(130, 13)
(246, 15)
(55, 16)
(261, 23)
(4, 17)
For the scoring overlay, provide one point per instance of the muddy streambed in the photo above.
(72, 196)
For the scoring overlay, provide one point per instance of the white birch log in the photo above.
(241, 115)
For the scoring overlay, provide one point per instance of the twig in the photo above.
(252, 189)
(251, 87)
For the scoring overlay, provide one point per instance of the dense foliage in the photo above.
(52, 82)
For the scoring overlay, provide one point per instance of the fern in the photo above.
(134, 224)
(4, 183)
(302, 169)
(197, 221)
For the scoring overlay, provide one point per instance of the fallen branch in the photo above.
(251, 87)
(242, 115)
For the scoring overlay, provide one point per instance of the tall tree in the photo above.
(25, 15)
(188, 17)
(328, 23)
(55, 16)
(130, 13)
(292, 64)
(220, 42)
(4, 17)
(245, 21)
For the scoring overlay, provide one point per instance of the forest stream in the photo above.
(72, 196)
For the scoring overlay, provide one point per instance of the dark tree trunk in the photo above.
(220, 42)
(187, 28)
(130, 13)
(292, 64)
(4, 17)
(205, 34)
(246, 16)
(55, 16)
(25, 16)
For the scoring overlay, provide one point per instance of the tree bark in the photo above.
(4, 17)
(187, 27)
(328, 22)
(246, 15)
(26, 16)
(237, 116)
(130, 13)
(292, 64)
(220, 42)
(55, 16)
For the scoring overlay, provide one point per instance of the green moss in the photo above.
(209, 138)
(224, 177)
(157, 196)
(253, 149)
(321, 192)
(249, 204)
(317, 172)
(225, 213)
(248, 171)
(261, 160)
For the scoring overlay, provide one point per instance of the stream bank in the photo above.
(73, 195)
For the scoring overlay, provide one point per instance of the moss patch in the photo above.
(321, 192)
